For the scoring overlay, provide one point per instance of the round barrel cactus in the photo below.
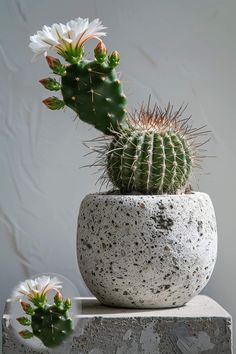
(154, 155)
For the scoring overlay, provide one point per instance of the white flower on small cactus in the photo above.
(37, 289)
(67, 40)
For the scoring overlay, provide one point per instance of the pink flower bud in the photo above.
(53, 103)
(56, 65)
(114, 59)
(100, 52)
(67, 304)
(26, 334)
(27, 308)
(24, 321)
(58, 299)
(50, 84)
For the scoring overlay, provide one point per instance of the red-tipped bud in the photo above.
(50, 84)
(26, 334)
(114, 59)
(53, 103)
(56, 65)
(24, 321)
(27, 308)
(67, 304)
(58, 299)
(100, 52)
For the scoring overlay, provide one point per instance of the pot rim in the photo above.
(192, 194)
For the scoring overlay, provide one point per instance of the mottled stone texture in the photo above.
(146, 251)
(202, 326)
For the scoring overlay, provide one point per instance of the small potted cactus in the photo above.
(150, 242)
(50, 323)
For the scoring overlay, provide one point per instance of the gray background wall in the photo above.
(176, 50)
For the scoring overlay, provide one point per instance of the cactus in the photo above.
(152, 152)
(51, 324)
(91, 89)
(155, 155)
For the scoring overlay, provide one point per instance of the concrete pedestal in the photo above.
(201, 326)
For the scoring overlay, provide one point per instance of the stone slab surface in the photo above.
(201, 326)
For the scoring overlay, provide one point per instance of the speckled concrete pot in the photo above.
(146, 251)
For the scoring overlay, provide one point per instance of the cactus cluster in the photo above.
(152, 151)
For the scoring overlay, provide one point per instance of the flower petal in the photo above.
(37, 287)
(65, 37)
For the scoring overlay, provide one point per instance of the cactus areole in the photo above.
(153, 151)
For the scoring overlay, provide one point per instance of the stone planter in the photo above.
(146, 251)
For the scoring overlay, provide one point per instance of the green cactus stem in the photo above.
(52, 325)
(92, 89)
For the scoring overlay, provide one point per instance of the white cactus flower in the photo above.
(67, 40)
(37, 289)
